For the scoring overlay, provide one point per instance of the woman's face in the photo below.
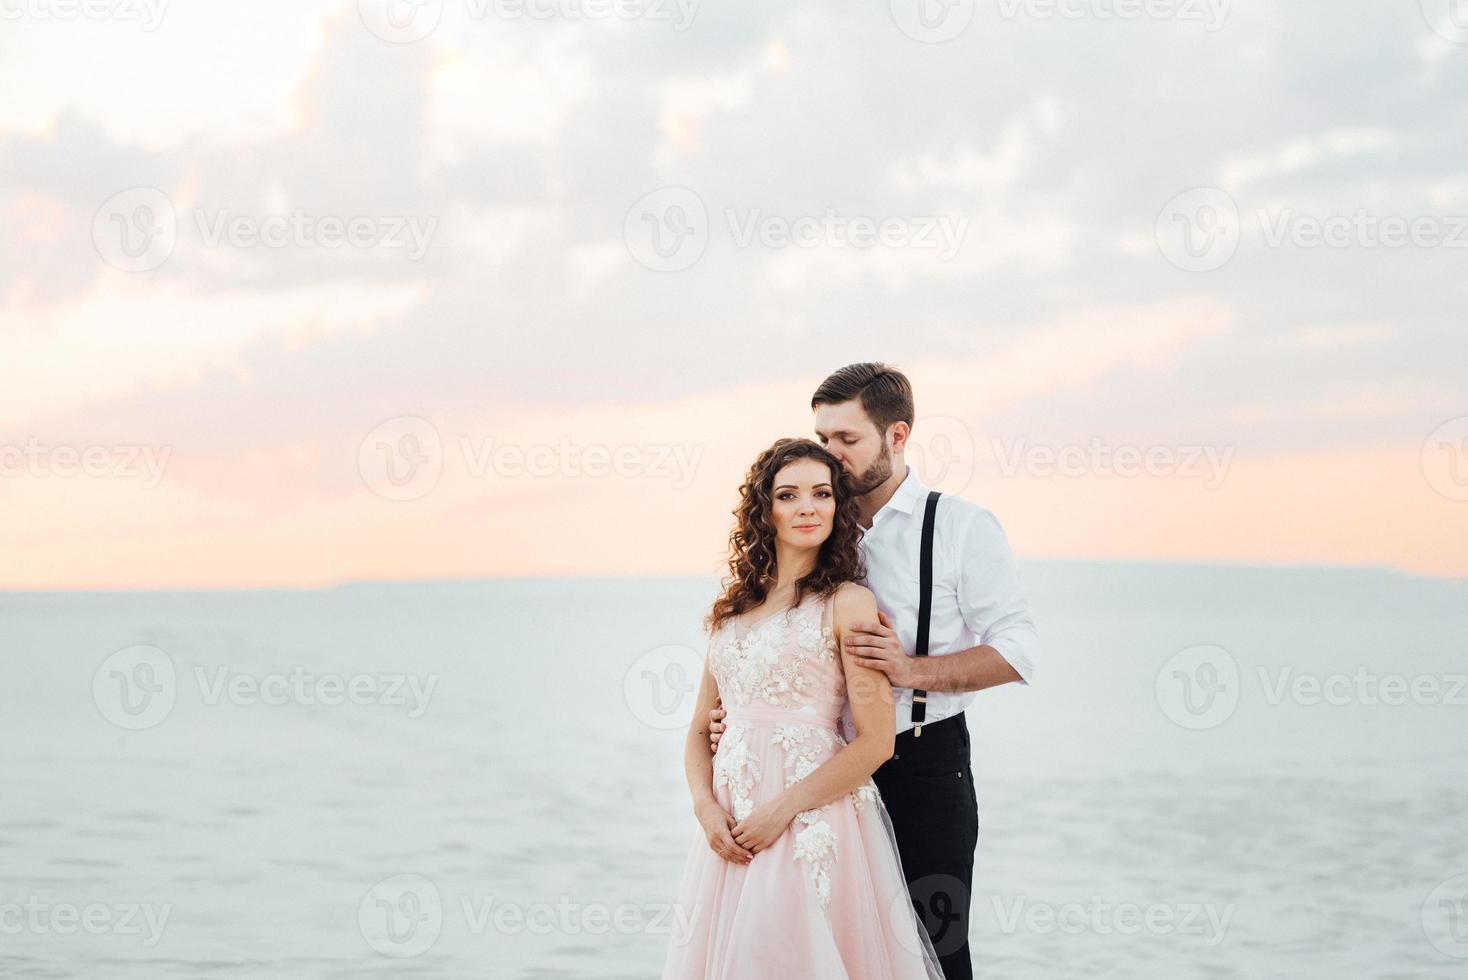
(803, 503)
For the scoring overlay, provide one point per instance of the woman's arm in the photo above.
(876, 737)
(698, 761)
(698, 767)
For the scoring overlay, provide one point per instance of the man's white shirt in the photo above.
(977, 597)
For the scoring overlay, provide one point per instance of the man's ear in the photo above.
(900, 432)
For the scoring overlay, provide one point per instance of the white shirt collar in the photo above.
(905, 497)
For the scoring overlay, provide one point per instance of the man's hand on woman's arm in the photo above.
(875, 645)
(716, 724)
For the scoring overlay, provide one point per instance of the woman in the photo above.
(799, 877)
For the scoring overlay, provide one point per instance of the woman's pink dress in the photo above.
(827, 900)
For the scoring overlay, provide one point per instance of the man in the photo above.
(980, 636)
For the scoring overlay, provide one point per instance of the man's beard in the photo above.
(875, 475)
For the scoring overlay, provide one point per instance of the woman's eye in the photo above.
(825, 493)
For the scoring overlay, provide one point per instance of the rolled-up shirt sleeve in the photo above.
(990, 594)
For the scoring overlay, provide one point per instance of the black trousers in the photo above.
(928, 789)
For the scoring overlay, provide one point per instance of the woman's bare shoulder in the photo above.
(854, 600)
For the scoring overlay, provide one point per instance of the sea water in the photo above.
(1218, 772)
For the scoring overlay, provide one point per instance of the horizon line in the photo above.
(1265, 567)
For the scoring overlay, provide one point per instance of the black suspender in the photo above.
(925, 607)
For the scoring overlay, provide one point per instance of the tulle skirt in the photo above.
(826, 901)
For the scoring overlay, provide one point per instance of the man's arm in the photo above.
(973, 669)
(994, 607)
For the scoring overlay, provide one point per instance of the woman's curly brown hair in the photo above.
(752, 542)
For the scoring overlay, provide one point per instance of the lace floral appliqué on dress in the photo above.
(831, 885)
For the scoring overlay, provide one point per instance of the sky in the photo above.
(298, 293)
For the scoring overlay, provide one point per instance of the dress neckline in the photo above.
(768, 619)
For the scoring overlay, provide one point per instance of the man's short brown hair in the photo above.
(886, 395)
